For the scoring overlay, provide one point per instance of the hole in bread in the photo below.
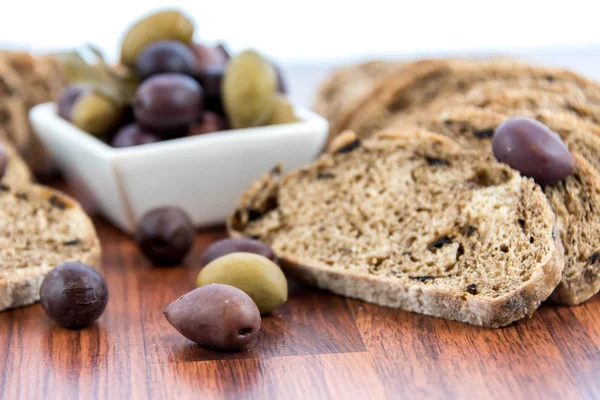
(531, 239)
(56, 202)
(439, 243)
(485, 177)
(470, 231)
(504, 248)
(484, 133)
(434, 161)
(594, 258)
(253, 214)
(325, 175)
(460, 251)
(471, 288)
(522, 224)
(423, 278)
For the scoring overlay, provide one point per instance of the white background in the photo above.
(317, 29)
(320, 33)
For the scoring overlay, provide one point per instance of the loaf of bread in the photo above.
(39, 229)
(575, 200)
(423, 83)
(411, 221)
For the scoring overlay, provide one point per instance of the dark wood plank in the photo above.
(429, 357)
(106, 360)
(316, 346)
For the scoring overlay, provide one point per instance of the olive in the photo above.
(533, 149)
(211, 80)
(236, 245)
(283, 112)
(218, 316)
(133, 135)
(166, 56)
(207, 56)
(167, 104)
(165, 235)
(256, 275)
(67, 98)
(210, 122)
(95, 113)
(74, 295)
(249, 88)
(3, 161)
(163, 25)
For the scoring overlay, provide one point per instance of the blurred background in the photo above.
(309, 37)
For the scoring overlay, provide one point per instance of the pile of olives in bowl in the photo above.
(168, 86)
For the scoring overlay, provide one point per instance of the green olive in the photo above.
(164, 25)
(283, 112)
(249, 88)
(256, 275)
(96, 114)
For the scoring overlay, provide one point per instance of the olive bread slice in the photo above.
(575, 200)
(39, 229)
(411, 221)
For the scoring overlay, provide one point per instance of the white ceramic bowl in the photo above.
(205, 175)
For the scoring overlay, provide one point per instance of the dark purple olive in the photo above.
(210, 122)
(3, 161)
(207, 56)
(133, 135)
(67, 98)
(166, 56)
(165, 235)
(533, 149)
(219, 316)
(74, 295)
(168, 104)
(236, 245)
(210, 79)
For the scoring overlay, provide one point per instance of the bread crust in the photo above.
(429, 301)
(23, 289)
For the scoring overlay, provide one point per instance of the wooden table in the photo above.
(316, 346)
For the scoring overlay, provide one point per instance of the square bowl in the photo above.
(205, 175)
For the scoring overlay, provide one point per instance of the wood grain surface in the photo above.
(316, 346)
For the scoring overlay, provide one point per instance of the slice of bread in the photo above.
(575, 200)
(17, 173)
(40, 228)
(411, 221)
(423, 83)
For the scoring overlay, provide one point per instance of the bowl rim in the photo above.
(47, 113)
